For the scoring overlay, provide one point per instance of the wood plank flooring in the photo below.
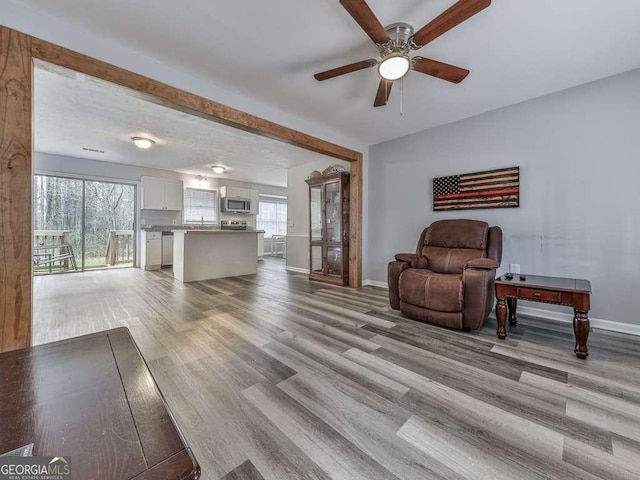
(271, 376)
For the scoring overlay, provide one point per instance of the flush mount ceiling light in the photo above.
(394, 67)
(218, 169)
(142, 142)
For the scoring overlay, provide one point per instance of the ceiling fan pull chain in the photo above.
(401, 95)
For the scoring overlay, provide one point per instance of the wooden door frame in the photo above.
(18, 51)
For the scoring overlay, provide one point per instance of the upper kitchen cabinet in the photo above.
(174, 195)
(152, 193)
(235, 192)
(162, 194)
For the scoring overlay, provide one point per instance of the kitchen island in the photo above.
(207, 254)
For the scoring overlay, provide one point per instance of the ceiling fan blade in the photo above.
(352, 67)
(441, 70)
(454, 16)
(384, 90)
(367, 20)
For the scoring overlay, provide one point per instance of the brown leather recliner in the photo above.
(449, 280)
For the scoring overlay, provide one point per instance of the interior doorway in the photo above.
(82, 224)
(21, 53)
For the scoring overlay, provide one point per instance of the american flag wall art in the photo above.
(489, 189)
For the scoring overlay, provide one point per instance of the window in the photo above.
(272, 215)
(200, 206)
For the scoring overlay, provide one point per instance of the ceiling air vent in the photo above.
(94, 150)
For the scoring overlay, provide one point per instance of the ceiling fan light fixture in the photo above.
(142, 142)
(394, 66)
(219, 169)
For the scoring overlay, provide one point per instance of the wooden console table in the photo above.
(556, 290)
(93, 399)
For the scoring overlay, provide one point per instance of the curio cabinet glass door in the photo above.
(329, 228)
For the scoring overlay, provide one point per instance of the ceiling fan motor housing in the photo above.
(399, 38)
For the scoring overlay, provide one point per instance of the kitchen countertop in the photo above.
(216, 231)
(191, 228)
(169, 228)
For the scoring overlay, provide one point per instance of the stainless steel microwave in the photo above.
(236, 205)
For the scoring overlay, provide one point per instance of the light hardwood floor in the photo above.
(272, 376)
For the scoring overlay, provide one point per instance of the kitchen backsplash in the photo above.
(250, 219)
(160, 217)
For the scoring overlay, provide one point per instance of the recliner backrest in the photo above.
(449, 245)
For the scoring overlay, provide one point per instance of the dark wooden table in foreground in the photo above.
(570, 292)
(92, 398)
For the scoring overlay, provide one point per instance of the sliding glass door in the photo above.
(57, 216)
(80, 224)
(109, 224)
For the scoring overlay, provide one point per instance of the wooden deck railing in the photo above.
(119, 247)
(52, 237)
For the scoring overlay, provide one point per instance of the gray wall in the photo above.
(298, 210)
(579, 157)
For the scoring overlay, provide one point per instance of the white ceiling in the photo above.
(515, 49)
(73, 111)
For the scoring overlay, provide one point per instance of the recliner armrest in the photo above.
(413, 259)
(482, 264)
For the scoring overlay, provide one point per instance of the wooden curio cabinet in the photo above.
(329, 229)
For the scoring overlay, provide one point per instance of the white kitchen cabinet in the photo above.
(152, 193)
(162, 194)
(226, 191)
(234, 192)
(174, 195)
(151, 252)
(255, 201)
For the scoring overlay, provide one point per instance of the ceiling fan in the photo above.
(398, 39)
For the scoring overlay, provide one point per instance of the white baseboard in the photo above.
(374, 283)
(599, 323)
(297, 270)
